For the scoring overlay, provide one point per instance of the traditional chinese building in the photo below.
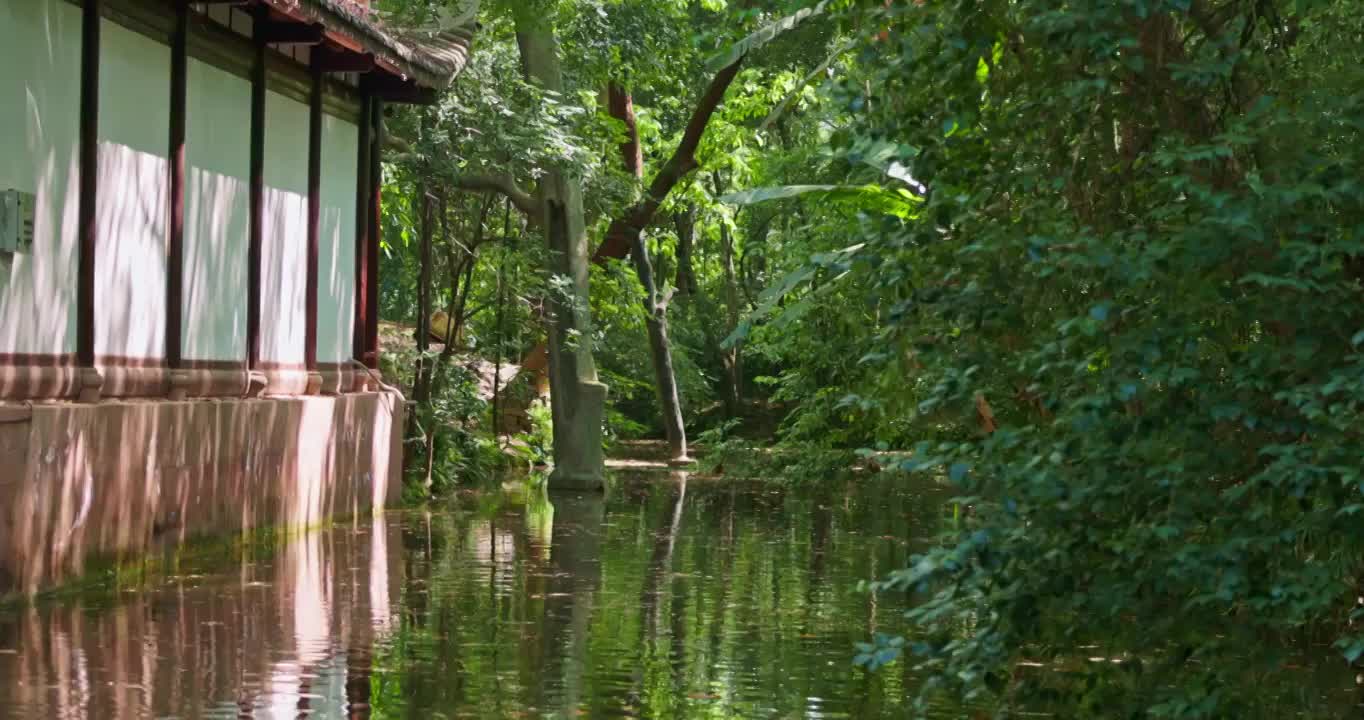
(189, 238)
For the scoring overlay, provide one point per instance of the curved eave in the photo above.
(430, 60)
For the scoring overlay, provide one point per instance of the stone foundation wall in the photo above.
(117, 478)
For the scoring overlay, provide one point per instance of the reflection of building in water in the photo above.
(291, 637)
(191, 290)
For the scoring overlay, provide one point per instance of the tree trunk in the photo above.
(685, 222)
(622, 107)
(733, 359)
(420, 392)
(734, 395)
(577, 398)
(422, 381)
(619, 234)
(660, 351)
(499, 325)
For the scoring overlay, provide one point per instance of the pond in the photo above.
(670, 597)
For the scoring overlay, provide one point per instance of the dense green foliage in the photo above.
(1122, 319)
(1095, 266)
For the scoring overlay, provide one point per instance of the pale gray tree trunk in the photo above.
(577, 398)
(660, 351)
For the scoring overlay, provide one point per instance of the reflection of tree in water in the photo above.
(657, 585)
(573, 581)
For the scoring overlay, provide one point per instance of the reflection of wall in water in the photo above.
(300, 623)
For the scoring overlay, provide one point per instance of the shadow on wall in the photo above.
(217, 207)
(336, 289)
(284, 258)
(215, 264)
(40, 51)
(118, 479)
(130, 257)
(284, 635)
(336, 261)
(131, 200)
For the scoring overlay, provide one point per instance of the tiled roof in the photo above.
(431, 59)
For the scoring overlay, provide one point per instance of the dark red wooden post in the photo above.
(257, 189)
(359, 335)
(314, 213)
(175, 245)
(89, 183)
(376, 183)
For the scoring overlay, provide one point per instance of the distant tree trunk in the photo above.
(733, 359)
(499, 323)
(685, 222)
(457, 319)
(452, 268)
(422, 393)
(577, 398)
(620, 233)
(622, 107)
(461, 269)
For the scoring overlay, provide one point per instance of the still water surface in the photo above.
(669, 598)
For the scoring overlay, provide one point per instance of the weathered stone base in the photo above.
(114, 479)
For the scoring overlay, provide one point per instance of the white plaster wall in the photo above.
(39, 120)
(336, 242)
(284, 245)
(217, 214)
(39, 123)
(131, 209)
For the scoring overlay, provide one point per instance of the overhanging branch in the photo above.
(505, 186)
(619, 236)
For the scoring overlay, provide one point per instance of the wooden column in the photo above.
(376, 182)
(89, 182)
(314, 213)
(175, 240)
(256, 232)
(362, 274)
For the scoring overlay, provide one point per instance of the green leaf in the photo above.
(900, 203)
(763, 36)
(767, 194)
